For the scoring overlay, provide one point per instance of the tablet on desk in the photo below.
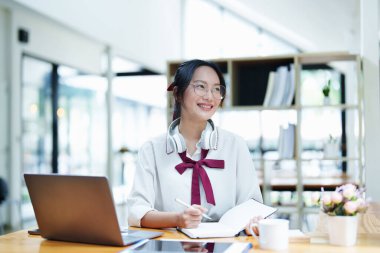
(171, 246)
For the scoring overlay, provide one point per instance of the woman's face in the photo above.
(195, 106)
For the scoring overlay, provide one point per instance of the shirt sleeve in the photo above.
(142, 197)
(247, 181)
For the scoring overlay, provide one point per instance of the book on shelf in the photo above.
(227, 100)
(280, 87)
(286, 142)
(269, 90)
(232, 222)
(290, 87)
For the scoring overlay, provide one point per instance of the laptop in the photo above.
(78, 209)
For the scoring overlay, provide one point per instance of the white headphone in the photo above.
(176, 142)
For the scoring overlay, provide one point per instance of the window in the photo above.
(82, 123)
(77, 143)
(139, 114)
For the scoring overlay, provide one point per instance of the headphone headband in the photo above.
(176, 142)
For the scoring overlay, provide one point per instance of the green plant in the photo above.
(326, 88)
(332, 139)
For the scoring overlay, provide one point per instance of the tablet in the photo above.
(172, 246)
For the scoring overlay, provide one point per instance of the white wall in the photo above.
(3, 105)
(56, 43)
(370, 54)
(3, 93)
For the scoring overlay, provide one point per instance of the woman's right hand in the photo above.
(191, 217)
(255, 230)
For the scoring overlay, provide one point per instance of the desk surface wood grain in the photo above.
(22, 242)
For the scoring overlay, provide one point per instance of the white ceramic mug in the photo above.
(274, 233)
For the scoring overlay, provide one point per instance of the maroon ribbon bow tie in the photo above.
(199, 171)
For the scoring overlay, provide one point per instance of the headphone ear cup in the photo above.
(179, 142)
(214, 139)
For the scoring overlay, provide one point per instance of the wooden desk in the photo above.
(22, 242)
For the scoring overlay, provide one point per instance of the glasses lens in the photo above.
(200, 89)
(218, 92)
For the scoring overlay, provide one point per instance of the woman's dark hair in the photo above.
(183, 76)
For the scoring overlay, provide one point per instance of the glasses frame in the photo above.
(207, 89)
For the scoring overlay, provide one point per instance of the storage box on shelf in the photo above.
(298, 142)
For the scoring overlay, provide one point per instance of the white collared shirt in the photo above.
(197, 154)
(157, 183)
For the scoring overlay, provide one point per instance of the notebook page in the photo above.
(239, 216)
(209, 230)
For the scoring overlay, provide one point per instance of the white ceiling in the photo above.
(323, 25)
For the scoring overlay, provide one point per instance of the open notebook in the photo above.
(232, 222)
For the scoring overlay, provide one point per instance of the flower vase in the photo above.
(342, 230)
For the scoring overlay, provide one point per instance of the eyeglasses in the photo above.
(201, 89)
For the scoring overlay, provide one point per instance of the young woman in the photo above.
(203, 165)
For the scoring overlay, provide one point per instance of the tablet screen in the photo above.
(185, 246)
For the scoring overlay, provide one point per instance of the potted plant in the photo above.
(326, 92)
(342, 207)
(331, 147)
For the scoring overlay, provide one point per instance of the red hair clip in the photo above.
(171, 87)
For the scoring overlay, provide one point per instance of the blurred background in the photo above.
(83, 86)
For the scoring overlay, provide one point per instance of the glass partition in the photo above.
(36, 119)
(82, 123)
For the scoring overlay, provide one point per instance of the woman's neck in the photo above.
(191, 131)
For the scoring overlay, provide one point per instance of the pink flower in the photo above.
(345, 200)
(350, 207)
(349, 191)
(315, 197)
(326, 199)
(336, 197)
(361, 204)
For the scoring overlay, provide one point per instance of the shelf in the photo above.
(308, 184)
(307, 159)
(286, 208)
(322, 58)
(343, 159)
(311, 209)
(287, 108)
(289, 209)
(273, 159)
(257, 108)
(340, 106)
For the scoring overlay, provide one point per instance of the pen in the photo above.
(187, 205)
